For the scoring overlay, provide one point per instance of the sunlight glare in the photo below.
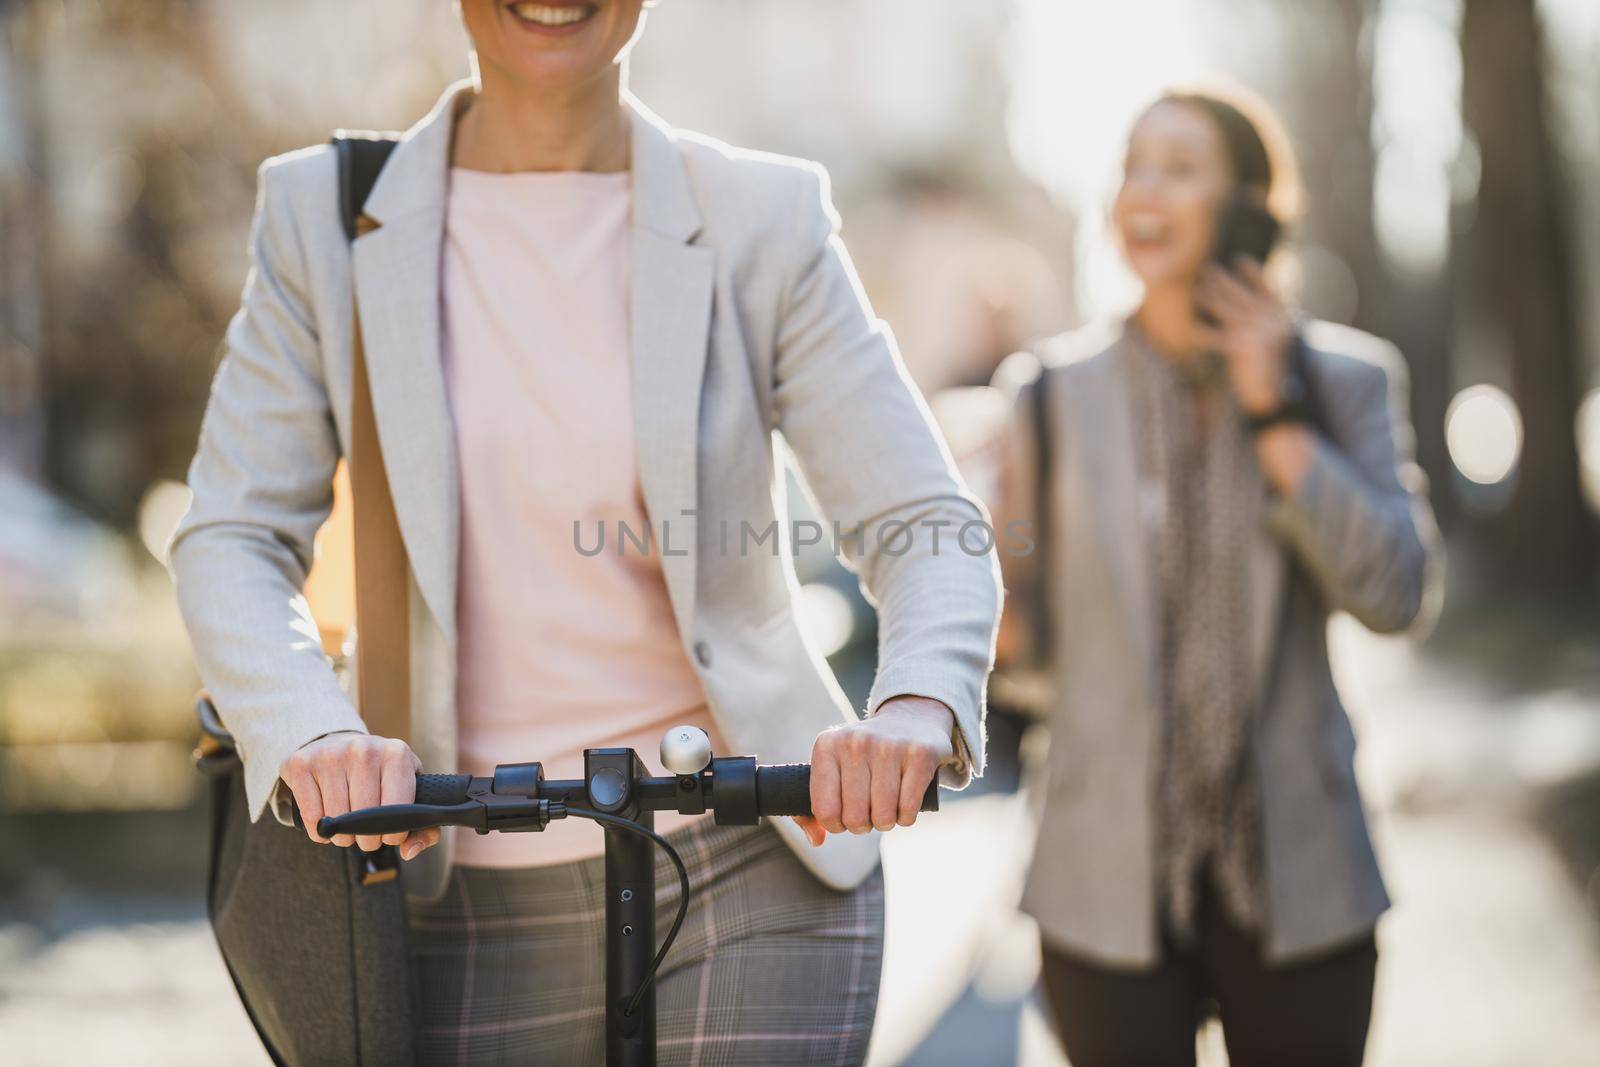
(1483, 432)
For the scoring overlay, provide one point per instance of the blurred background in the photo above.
(1451, 150)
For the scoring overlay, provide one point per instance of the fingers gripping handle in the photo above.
(785, 789)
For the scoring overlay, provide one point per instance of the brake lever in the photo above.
(483, 813)
(400, 818)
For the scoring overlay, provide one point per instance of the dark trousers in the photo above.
(1311, 1014)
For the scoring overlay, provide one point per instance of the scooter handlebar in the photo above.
(781, 789)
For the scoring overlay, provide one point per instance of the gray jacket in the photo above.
(747, 318)
(1363, 540)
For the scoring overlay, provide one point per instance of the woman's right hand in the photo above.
(343, 771)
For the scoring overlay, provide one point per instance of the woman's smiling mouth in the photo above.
(548, 17)
(1144, 228)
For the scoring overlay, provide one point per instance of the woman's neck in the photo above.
(508, 129)
(1166, 317)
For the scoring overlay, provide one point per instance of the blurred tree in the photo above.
(1315, 63)
(1331, 93)
(1413, 311)
(134, 176)
(1340, 165)
(21, 426)
(1519, 279)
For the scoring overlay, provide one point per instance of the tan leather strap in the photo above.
(382, 579)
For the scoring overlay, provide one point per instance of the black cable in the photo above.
(683, 902)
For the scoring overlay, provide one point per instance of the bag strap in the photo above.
(361, 160)
(1043, 497)
(382, 569)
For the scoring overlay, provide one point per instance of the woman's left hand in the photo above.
(873, 774)
(1253, 330)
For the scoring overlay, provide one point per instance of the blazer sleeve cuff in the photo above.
(281, 803)
(1299, 516)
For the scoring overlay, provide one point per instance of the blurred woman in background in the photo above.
(1209, 478)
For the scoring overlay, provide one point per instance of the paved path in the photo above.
(1491, 956)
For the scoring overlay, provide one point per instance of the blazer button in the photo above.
(702, 653)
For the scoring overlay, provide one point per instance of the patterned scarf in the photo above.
(1194, 447)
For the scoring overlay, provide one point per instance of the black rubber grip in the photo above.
(443, 788)
(785, 789)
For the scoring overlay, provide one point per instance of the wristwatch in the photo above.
(1291, 407)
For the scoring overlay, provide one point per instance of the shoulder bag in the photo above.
(313, 936)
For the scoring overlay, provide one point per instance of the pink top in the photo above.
(559, 650)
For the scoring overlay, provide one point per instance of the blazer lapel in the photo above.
(1122, 505)
(1127, 514)
(396, 271)
(1126, 518)
(672, 300)
(396, 268)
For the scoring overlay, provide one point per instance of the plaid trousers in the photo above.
(771, 966)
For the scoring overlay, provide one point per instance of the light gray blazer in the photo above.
(747, 318)
(1363, 536)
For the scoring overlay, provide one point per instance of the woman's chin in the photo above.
(553, 69)
(1161, 273)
